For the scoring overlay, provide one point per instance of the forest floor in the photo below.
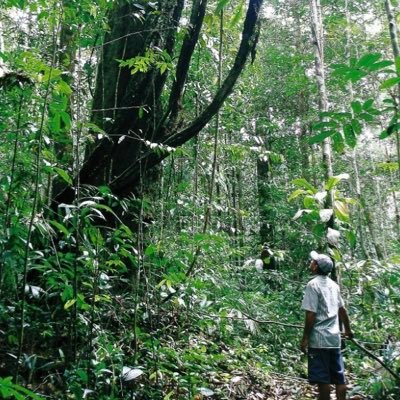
(279, 387)
(299, 389)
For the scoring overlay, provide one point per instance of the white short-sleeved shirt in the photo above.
(322, 296)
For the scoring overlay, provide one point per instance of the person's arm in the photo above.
(308, 325)
(346, 322)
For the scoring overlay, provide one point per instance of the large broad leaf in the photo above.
(296, 194)
(335, 253)
(319, 230)
(299, 213)
(342, 211)
(367, 117)
(389, 130)
(349, 135)
(324, 124)
(356, 106)
(368, 104)
(129, 373)
(320, 137)
(321, 196)
(368, 60)
(325, 214)
(338, 142)
(333, 237)
(303, 183)
(63, 174)
(221, 5)
(351, 238)
(60, 227)
(309, 202)
(380, 65)
(388, 83)
(69, 304)
(357, 128)
(334, 180)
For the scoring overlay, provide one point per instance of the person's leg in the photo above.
(337, 374)
(324, 390)
(341, 392)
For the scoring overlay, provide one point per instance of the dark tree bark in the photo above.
(128, 107)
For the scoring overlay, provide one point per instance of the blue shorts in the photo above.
(326, 366)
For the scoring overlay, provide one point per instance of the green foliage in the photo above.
(10, 390)
(152, 58)
(360, 68)
(139, 297)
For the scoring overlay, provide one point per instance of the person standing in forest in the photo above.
(321, 340)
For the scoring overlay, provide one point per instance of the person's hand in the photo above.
(304, 345)
(349, 334)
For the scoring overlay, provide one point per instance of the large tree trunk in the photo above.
(393, 30)
(128, 107)
(317, 31)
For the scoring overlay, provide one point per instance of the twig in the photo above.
(373, 356)
(115, 108)
(254, 319)
(287, 377)
(272, 322)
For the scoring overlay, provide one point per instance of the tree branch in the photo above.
(123, 183)
(373, 356)
(182, 68)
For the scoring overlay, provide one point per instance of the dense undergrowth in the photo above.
(140, 328)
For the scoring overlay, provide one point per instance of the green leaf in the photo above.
(389, 130)
(349, 135)
(93, 128)
(338, 142)
(69, 304)
(55, 123)
(356, 75)
(238, 13)
(357, 128)
(351, 238)
(296, 194)
(380, 65)
(336, 254)
(388, 166)
(356, 106)
(342, 211)
(66, 119)
(62, 87)
(150, 250)
(320, 137)
(303, 183)
(367, 117)
(319, 230)
(324, 124)
(388, 83)
(60, 227)
(334, 180)
(368, 59)
(309, 202)
(63, 174)
(367, 104)
(221, 5)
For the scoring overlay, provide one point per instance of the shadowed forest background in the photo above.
(150, 149)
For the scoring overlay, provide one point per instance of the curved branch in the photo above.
(123, 183)
(377, 359)
(246, 45)
(187, 50)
